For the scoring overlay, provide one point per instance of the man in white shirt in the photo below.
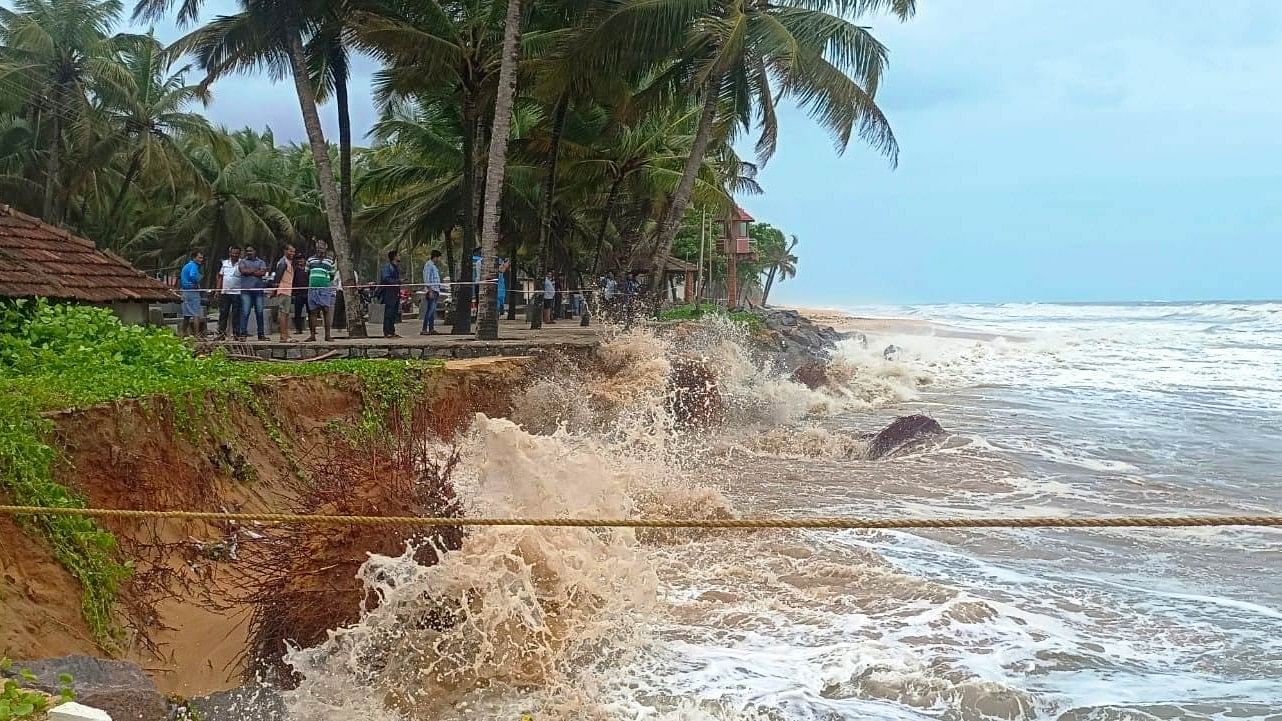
(431, 293)
(227, 285)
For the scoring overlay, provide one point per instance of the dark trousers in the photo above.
(300, 312)
(228, 313)
(391, 314)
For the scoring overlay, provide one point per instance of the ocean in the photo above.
(1126, 409)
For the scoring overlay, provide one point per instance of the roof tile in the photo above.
(38, 259)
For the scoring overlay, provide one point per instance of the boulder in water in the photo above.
(813, 375)
(857, 337)
(905, 434)
(120, 688)
(892, 352)
(693, 394)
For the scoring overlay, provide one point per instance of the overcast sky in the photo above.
(1081, 151)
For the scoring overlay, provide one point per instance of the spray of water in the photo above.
(519, 620)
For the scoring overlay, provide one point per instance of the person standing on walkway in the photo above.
(389, 291)
(282, 300)
(549, 295)
(253, 271)
(503, 264)
(193, 322)
(227, 286)
(431, 293)
(321, 270)
(300, 292)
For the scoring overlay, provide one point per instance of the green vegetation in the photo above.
(697, 311)
(624, 122)
(773, 260)
(18, 703)
(56, 356)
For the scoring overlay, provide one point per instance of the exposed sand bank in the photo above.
(190, 634)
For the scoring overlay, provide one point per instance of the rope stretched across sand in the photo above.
(718, 523)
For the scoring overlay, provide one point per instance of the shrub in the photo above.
(18, 703)
(695, 312)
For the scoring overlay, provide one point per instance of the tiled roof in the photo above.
(741, 214)
(674, 265)
(41, 260)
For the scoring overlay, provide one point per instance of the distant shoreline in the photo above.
(888, 325)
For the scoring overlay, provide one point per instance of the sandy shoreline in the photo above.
(846, 322)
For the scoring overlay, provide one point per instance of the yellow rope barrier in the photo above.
(717, 523)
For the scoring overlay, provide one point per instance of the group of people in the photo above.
(389, 293)
(244, 289)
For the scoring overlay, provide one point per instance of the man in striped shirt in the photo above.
(321, 271)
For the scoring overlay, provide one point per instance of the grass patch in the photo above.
(56, 356)
(695, 312)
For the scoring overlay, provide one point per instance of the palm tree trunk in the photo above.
(113, 217)
(770, 280)
(732, 278)
(549, 193)
(671, 222)
(449, 252)
(605, 223)
(325, 178)
(462, 294)
(53, 167)
(344, 149)
(487, 320)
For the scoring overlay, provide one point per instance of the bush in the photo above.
(18, 703)
(695, 312)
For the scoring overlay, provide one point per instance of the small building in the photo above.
(736, 242)
(680, 277)
(38, 260)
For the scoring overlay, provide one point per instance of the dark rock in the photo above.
(812, 375)
(905, 434)
(793, 340)
(693, 394)
(118, 687)
(247, 703)
(892, 353)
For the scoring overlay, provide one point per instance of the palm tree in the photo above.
(55, 54)
(241, 196)
(487, 313)
(414, 186)
(270, 34)
(779, 260)
(153, 120)
(745, 57)
(449, 48)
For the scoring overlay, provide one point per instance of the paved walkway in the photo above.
(515, 338)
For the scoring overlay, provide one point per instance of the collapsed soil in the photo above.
(185, 620)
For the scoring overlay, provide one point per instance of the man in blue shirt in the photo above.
(193, 312)
(252, 271)
(389, 291)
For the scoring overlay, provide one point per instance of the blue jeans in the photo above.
(251, 299)
(429, 311)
